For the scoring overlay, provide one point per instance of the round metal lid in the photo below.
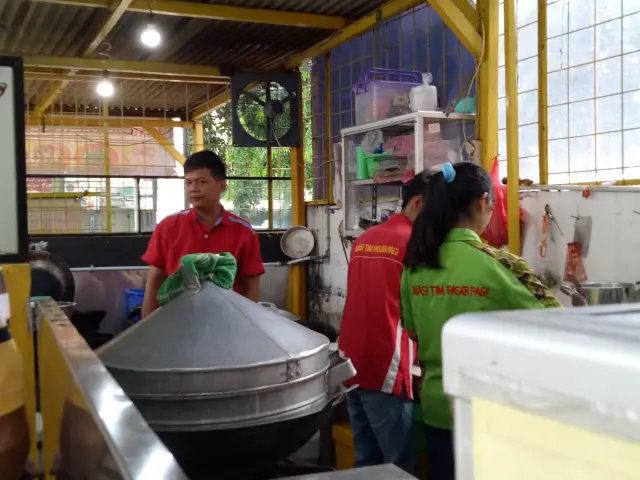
(213, 340)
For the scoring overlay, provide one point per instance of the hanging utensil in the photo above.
(582, 233)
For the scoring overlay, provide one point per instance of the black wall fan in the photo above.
(265, 110)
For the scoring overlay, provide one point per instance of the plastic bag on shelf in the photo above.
(372, 142)
(337, 174)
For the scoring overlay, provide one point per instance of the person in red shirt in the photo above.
(204, 228)
(371, 335)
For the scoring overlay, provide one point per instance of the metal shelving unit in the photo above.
(367, 195)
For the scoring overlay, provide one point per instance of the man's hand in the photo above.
(155, 279)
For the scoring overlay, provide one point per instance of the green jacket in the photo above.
(475, 278)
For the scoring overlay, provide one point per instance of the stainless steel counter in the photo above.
(381, 472)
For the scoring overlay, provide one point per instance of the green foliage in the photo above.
(247, 195)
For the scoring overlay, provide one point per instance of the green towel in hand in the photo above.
(207, 267)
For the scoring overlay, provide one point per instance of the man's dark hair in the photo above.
(206, 159)
(413, 188)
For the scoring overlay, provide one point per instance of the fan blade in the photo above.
(253, 97)
(286, 99)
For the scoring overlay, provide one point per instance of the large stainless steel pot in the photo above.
(601, 293)
(213, 360)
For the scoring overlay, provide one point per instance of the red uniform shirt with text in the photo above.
(181, 234)
(371, 332)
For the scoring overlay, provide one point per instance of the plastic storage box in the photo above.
(545, 394)
(378, 99)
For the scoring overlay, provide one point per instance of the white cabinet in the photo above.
(418, 141)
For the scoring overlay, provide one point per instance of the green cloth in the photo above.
(207, 267)
(475, 277)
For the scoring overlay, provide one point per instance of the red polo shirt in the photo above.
(371, 332)
(181, 234)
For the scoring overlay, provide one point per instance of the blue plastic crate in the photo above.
(133, 299)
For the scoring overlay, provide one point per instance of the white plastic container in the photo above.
(551, 394)
(424, 98)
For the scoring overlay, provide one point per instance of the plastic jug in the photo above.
(424, 97)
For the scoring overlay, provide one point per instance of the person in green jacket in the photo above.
(449, 271)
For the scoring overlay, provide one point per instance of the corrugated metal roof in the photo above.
(62, 30)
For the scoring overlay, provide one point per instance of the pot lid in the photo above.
(214, 340)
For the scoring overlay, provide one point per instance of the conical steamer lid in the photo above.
(213, 341)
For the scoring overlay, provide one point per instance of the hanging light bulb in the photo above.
(105, 87)
(151, 37)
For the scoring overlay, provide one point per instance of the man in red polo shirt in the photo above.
(205, 228)
(371, 335)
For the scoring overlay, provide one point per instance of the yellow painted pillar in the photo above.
(513, 158)
(198, 137)
(18, 282)
(543, 119)
(107, 162)
(488, 12)
(297, 272)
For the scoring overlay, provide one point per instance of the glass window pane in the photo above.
(581, 14)
(581, 83)
(558, 156)
(631, 110)
(583, 177)
(609, 175)
(502, 113)
(631, 33)
(282, 204)
(581, 47)
(582, 155)
(581, 118)
(632, 148)
(608, 39)
(527, 41)
(528, 140)
(557, 18)
(557, 87)
(561, 179)
(528, 74)
(528, 107)
(502, 144)
(558, 120)
(608, 10)
(609, 150)
(501, 82)
(609, 114)
(630, 6)
(526, 12)
(248, 199)
(631, 63)
(608, 77)
(558, 53)
(530, 168)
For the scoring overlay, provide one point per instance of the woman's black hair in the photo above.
(444, 204)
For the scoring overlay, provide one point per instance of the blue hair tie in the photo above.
(448, 172)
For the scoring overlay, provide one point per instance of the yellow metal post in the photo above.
(488, 12)
(166, 144)
(513, 158)
(198, 137)
(18, 282)
(327, 118)
(297, 272)
(543, 120)
(107, 162)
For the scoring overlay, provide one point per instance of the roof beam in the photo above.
(98, 121)
(455, 19)
(357, 28)
(166, 144)
(219, 12)
(467, 9)
(34, 73)
(123, 66)
(117, 8)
